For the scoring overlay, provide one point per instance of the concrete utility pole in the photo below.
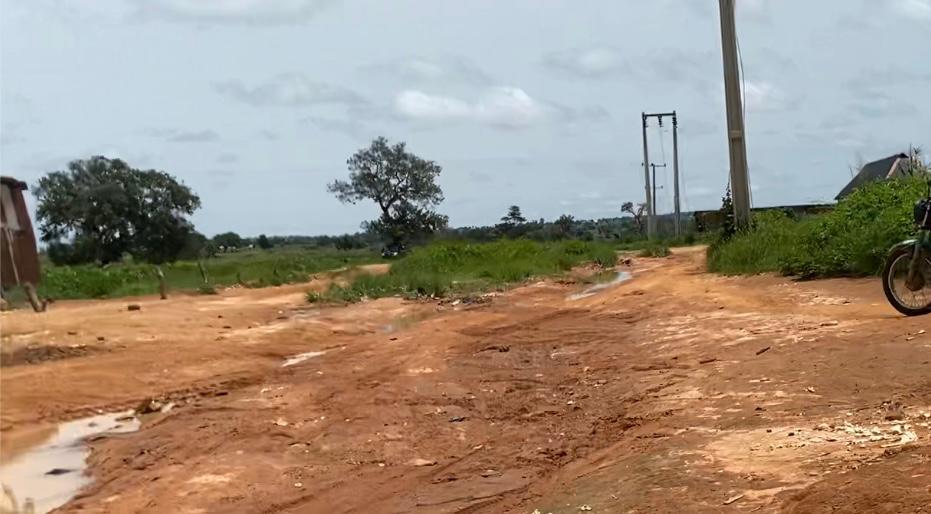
(675, 171)
(651, 196)
(740, 180)
(651, 221)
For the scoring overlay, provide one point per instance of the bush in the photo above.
(207, 289)
(851, 240)
(248, 268)
(445, 268)
(772, 240)
(655, 250)
(854, 238)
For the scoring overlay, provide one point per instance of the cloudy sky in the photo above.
(256, 104)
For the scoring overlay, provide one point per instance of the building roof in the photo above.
(873, 171)
(12, 182)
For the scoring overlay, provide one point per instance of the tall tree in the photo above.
(637, 213)
(103, 208)
(228, 240)
(564, 225)
(512, 223)
(403, 186)
(514, 216)
(264, 243)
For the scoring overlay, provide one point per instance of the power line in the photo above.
(743, 94)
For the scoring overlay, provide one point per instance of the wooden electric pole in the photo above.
(740, 180)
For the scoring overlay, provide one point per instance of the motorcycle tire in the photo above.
(887, 288)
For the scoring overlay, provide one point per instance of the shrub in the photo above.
(207, 289)
(771, 241)
(851, 240)
(655, 250)
(445, 268)
(854, 238)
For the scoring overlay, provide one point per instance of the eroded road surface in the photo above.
(673, 391)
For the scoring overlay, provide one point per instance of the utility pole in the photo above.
(651, 221)
(651, 196)
(675, 170)
(740, 181)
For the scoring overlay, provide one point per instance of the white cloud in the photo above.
(290, 89)
(917, 9)
(449, 70)
(506, 107)
(182, 136)
(420, 105)
(234, 11)
(754, 10)
(594, 62)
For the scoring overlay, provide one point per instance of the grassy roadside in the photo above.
(443, 269)
(851, 240)
(250, 269)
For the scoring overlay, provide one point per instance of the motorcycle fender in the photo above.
(904, 245)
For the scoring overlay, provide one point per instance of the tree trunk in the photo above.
(162, 286)
(33, 297)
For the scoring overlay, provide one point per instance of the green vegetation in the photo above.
(773, 240)
(446, 268)
(251, 269)
(100, 209)
(851, 240)
(655, 249)
(403, 186)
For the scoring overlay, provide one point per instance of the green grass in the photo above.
(689, 239)
(455, 268)
(851, 240)
(250, 269)
(655, 249)
(773, 240)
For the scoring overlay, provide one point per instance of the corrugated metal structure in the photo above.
(883, 169)
(19, 256)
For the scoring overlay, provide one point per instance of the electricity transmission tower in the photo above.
(740, 180)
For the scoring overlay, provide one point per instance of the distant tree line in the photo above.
(102, 210)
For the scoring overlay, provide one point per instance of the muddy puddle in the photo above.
(50, 473)
(301, 357)
(621, 277)
(408, 320)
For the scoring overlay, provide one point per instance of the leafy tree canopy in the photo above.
(514, 216)
(564, 225)
(228, 240)
(104, 208)
(403, 186)
(264, 243)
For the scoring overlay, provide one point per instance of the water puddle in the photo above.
(622, 276)
(407, 321)
(51, 473)
(301, 357)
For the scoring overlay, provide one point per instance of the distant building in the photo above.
(893, 166)
(19, 258)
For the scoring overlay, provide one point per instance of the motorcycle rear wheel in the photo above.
(909, 302)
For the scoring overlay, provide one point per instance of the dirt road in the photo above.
(675, 391)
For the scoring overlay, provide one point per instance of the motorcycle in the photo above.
(907, 272)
